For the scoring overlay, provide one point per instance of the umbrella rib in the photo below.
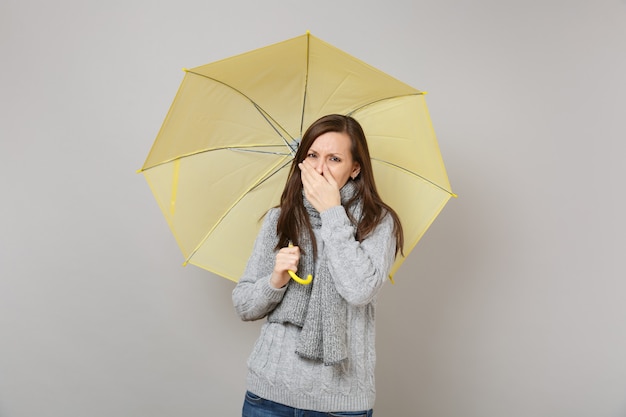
(419, 93)
(271, 121)
(249, 148)
(268, 174)
(306, 81)
(236, 149)
(414, 174)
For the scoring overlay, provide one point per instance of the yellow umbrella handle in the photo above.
(296, 278)
(299, 280)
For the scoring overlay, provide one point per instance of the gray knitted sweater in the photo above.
(358, 270)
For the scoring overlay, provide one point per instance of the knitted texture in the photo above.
(317, 308)
(357, 270)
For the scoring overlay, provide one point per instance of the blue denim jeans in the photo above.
(255, 406)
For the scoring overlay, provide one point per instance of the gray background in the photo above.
(512, 305)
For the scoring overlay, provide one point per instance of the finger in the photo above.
(286, 261)
(290, 251)
(309, 171)
(305, 166)
(308, 179)
(328, 176)
(306, 171)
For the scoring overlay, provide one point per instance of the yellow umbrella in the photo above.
(221, 158)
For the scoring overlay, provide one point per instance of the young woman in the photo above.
(316, 350)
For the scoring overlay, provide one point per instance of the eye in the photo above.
(335, 159)
(311, 155)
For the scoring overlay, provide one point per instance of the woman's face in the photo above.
(333, 149)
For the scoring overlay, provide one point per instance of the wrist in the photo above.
(279, 280)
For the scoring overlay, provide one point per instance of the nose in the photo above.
(319, 166)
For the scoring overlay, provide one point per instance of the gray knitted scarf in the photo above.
(318, 308)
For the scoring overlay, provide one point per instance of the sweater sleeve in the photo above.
(253, 296)
(359, 269)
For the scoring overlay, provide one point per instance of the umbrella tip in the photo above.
(186, 69)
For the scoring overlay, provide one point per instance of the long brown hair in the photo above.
(293, 219)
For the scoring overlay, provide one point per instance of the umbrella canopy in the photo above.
(222, 156)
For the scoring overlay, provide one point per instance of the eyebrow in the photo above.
(332, 153)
